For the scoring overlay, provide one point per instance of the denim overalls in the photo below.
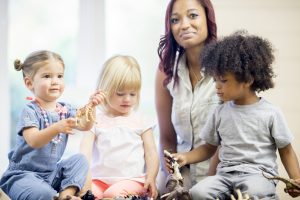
(39, 173)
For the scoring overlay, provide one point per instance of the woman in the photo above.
(184, 96)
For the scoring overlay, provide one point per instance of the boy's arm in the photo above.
(201, 153)
(290, 161)
(152, 161)
(213, 164)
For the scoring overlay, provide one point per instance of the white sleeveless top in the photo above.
(190, 111)
(190, 108)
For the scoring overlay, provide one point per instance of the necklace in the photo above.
(61, 110)
(194, 74)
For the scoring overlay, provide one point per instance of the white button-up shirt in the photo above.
(190, 109)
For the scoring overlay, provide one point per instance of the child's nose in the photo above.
(127, 97)
(55, 81)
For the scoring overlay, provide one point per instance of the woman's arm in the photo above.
(152, 162)
(163, 102)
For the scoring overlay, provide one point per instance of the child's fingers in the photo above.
(154, 193)
(98, 98)
(71, 122)
(232, 197)
(240, 196)
(146, 185)
(71, 132)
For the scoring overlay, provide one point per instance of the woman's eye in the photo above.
(224, 81)
(174, 21)
(193, 15)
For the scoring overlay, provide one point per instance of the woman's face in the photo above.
(188, 23)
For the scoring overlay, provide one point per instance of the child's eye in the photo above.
(133, 94)
(120, 94)
(60, 76)
(47, 76)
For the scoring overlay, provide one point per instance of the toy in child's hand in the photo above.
(174, 183)
(240, 196)
(174, 164)
(289, 184)
(87, 111)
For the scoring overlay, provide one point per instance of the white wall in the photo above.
(4, 87)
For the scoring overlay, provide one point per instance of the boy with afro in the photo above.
(247, 128)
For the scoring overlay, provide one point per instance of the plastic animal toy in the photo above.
(87, 111)
(289, 184)
(174, 185)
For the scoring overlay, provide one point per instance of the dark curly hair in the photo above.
(248, 57)
(169, 49)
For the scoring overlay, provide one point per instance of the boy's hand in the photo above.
(179, 157)
(97, 98)
(240, 196)
(65, 125)
(294, 192)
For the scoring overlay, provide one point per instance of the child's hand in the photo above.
(179, 157)
(150, 186)
(65, 125)
(240, 196)
(97, 98)
(294, 192)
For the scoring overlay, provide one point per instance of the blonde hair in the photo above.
(120, 73)
(35, 61)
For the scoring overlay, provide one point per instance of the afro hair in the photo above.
(248, 57)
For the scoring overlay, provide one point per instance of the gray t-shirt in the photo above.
(249, 136)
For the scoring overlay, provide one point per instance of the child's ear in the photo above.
(250, 82)
(28, 83)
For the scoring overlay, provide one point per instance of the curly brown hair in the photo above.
(248, 57)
